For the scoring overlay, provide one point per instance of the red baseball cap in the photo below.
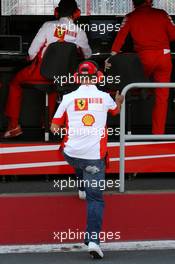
(87, 68)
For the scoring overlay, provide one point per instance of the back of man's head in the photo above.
(67, 8)
(141, 2)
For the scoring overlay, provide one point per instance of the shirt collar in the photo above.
(65, 20)
(145, 5)
(87, 87)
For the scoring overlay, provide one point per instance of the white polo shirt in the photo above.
(63, 29)
(84, 112)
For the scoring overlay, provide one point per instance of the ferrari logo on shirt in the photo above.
(88, 120)
(81, 104)
(60, 33)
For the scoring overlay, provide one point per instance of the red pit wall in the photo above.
(17, 159)
(33, 219)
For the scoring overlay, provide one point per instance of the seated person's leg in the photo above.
(52, 104)
(13, 105)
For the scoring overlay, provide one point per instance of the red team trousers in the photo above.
(152, 30)
(158, 66)
(30, 74)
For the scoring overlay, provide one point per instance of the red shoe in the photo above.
(13, 132)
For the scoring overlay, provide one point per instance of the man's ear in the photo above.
(56, 12)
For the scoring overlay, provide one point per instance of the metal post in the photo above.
(47, 118)
(124, 137)
(122, 147)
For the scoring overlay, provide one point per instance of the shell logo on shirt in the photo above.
(81, 104)
(88, 120)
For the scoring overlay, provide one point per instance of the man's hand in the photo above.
(119, 99)
(28, 59)
(54, 128)
(107, 64)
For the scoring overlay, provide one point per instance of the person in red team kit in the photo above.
(152, 31)
(62, 29)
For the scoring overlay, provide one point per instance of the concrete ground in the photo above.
(120, 257)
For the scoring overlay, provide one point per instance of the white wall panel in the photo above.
(97, 7)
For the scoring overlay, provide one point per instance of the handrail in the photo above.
(124, 137)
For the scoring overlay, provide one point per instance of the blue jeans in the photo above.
(79, 175)
(93, 172)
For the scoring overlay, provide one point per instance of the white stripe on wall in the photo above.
(8, 150)
(28, 149)
(145, 157)
(61, 163)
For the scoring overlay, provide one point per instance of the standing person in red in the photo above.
(152, 31)
(62, 29)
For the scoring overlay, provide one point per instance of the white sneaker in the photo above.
(82, 195)
(95, 251)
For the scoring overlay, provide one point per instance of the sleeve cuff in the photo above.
(115, 111)
(58, 121)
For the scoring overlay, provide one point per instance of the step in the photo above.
(34, 219)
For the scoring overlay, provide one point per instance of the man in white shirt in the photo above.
(84, 112)
(62, 30)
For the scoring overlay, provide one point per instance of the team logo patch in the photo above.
(60, 33)
(88, 120)
(96, 104)
(81, 104)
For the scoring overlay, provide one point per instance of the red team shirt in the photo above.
(150, 28)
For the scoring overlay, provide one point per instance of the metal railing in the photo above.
(124, 137)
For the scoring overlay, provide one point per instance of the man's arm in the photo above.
(121, 36)
(119, 100)
(59, 118)
(115, 106)
(38, 42)
(119, 41)
(170, 27)
(55, 129)
(82, 42)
